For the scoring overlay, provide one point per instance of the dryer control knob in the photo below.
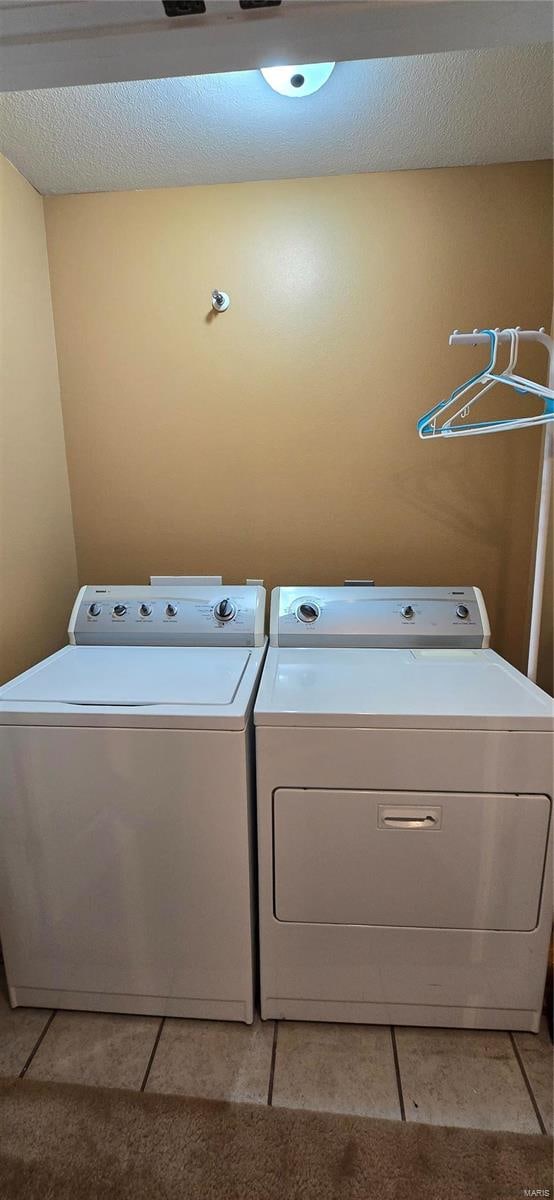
(462, 612)
(171, 610)
(224, 610)
(119, 610)
(307, 612)
(145, 610)
(407, 611)
(94, 609)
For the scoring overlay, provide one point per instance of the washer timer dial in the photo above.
(224, 610)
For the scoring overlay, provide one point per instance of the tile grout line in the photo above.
(272, 1066)
(527, 1083)
(152, 1055)
(40, 1038)
(397, 1073)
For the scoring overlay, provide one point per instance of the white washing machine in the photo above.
(126, 807)
(404, 791)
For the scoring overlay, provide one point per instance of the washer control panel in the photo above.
(155, 616)
(379, 617)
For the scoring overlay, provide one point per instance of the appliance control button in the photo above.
(224, 610)
(171, 610)
(94, 609)
(462, 612)
(145, 610)
(307, 612)
(407, 611)
(119, 610)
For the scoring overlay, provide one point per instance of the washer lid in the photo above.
(132, 676)
(426, 689)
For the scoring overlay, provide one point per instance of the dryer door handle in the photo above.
(403, 817)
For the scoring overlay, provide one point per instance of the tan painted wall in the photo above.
(38, 574)
(278, 439)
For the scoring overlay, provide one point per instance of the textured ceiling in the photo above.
(434, 110)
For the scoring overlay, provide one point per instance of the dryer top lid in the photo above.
(395, 688)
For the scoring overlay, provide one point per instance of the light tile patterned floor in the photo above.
(463, 1077)
(446, 1077)
(535, 1056)
(101, 1049)
(215, 1059)
(336, 1068)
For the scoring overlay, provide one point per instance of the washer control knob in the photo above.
(407, 611)
(145, 610)
(307, 612)
(94, 609)
(224, 610)
(462, 612)
(171, 610)
(119, 610)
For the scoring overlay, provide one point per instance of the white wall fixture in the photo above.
(300, 80)
(220, 300)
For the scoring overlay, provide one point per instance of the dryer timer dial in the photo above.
(307, 612)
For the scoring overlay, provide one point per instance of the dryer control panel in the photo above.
(387, 617)
(156, 616)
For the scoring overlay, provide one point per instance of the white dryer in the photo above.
(404, 792)
(126, 807)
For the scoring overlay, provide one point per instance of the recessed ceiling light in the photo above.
(299, 80)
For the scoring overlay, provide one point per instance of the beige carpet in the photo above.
(61, 1141)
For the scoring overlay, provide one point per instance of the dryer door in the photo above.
(422, 859)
